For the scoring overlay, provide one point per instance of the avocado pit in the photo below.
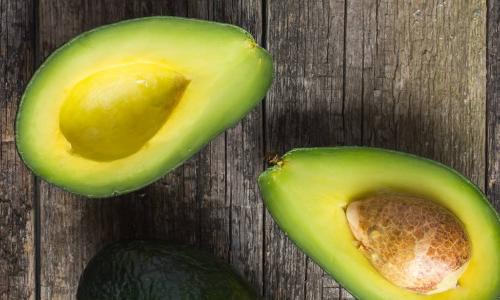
(414, 243)
(112, 113)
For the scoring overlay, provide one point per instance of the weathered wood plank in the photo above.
(422, 79)
(414, 81)
(194, 204)
(493, 104)
(304, 108)
(424, 74)
(17, 244)
(244, 161)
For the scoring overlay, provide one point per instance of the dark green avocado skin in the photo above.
(158, 270)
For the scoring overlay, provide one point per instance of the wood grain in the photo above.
(405, 75)
(493, 105)
(304, 108)
(244, 161)
(196, 204)
(17, 250)
(423, 80)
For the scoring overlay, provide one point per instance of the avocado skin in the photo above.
(154, 270)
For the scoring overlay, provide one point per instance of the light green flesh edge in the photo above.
(245, 89)
(306, 193)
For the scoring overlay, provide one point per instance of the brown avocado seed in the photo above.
(414, 243)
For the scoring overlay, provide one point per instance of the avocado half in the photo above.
(130, 270)
(120, 106)
(307, 192)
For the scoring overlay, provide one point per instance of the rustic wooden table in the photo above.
(418, 76)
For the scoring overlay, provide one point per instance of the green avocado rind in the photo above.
(250, 88)
(275, 182)
(154, 270)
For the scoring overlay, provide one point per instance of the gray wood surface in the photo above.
(493, 104)
(17, 243)
(304, 108)
(406, 75)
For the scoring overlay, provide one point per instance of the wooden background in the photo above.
(419, 76)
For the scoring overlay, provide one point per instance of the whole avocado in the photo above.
(154, 270)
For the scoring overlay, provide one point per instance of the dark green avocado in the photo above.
(154, 270)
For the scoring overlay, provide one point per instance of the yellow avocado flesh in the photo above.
(308, 191)
(73, 128)
(113, 113)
